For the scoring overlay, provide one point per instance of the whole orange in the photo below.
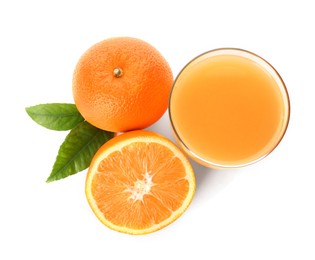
(122, 84)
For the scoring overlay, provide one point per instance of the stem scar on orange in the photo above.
(139, 182)
(122, 84)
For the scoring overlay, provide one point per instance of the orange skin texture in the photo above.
(134, 100)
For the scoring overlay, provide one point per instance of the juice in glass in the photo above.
(229, 108)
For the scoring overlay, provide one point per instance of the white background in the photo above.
(263, 211)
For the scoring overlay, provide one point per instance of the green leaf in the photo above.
(77, 150)
(55, 116)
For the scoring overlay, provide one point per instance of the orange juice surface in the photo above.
(228, 109)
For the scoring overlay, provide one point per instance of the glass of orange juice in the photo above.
(229, 108)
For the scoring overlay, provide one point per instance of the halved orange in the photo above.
(139, 182)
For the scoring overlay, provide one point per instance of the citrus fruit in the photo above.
(122, 84)
(139, 182)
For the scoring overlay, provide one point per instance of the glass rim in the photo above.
(284, 93)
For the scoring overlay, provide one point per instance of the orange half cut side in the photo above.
(139, 182)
